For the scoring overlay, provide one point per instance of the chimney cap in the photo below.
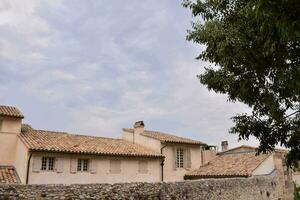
(138, 124)
(224, 142)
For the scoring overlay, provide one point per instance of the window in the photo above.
(115, 166)
(82, 165)
(48, 163)
(179, 158)
(143, 167)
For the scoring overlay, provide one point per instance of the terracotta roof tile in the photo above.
(41, 140)
(10, 111)
(165, 137)
(229, 165)
(246, 148)
(8, 175)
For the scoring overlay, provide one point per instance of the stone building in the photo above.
(31, 156)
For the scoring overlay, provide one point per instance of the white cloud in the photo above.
(24, 33)
(98, 71)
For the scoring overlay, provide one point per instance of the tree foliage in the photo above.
(255, 48)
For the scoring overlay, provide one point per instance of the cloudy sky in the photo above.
(93, 67)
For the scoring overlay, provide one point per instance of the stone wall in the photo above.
(256, 188)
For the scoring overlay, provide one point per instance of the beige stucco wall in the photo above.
(151, 143)
(129, 171)
(208, 155)
(172, 174)
(296, 178)
(9, 130)
(21, 160)
(266, 167)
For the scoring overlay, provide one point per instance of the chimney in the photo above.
(138, 127)
(224, 145)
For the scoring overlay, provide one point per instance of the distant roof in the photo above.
(229, 165)
(246, 148)
(165, 137)
(53, 141)
(10, 111)
(8, 175)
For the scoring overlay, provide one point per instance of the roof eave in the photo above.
(97, 154)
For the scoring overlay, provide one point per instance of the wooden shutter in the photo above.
(143, 166)
(188, 158)
(37, 164)
(115, 166)
(73, 167)
(93, 166)
(174, 158)
(184, 157)
(59, 165)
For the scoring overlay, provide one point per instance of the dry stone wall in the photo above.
(256, 188)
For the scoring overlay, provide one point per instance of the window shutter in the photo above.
(59, 165)
(115, 166)
(188, 158)
(73, 166)
(93, 166)
(37, 163)
(184, 158)
(174, 158)
(143, 166)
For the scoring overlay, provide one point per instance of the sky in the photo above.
(94, 67)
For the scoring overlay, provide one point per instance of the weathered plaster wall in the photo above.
(148, 142)
(129, 170)
(262, 188)
(208, 155)
(21, 159)
(266, 167)
(296, 178)
(174, 174)
(9, 130)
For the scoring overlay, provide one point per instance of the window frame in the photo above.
(180, 153)
(48, 163)
(83, 165)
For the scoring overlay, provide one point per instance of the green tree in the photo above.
(254, 47)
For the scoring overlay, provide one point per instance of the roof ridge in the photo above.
(56, 141)
(73, 134)
(176, 138)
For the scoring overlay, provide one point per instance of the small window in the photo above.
(179, 158)
(48, 163)
(115, 166)
(143, 167)
(82, 165)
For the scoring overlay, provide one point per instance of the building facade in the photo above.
(31, 156)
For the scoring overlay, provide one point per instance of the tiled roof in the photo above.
(229, 165)
(8, 175)
(41, 140)
(246, 148)
(164, 137)
(10, 111)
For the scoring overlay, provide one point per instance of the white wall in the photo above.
(129, 171)
(266, 167)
